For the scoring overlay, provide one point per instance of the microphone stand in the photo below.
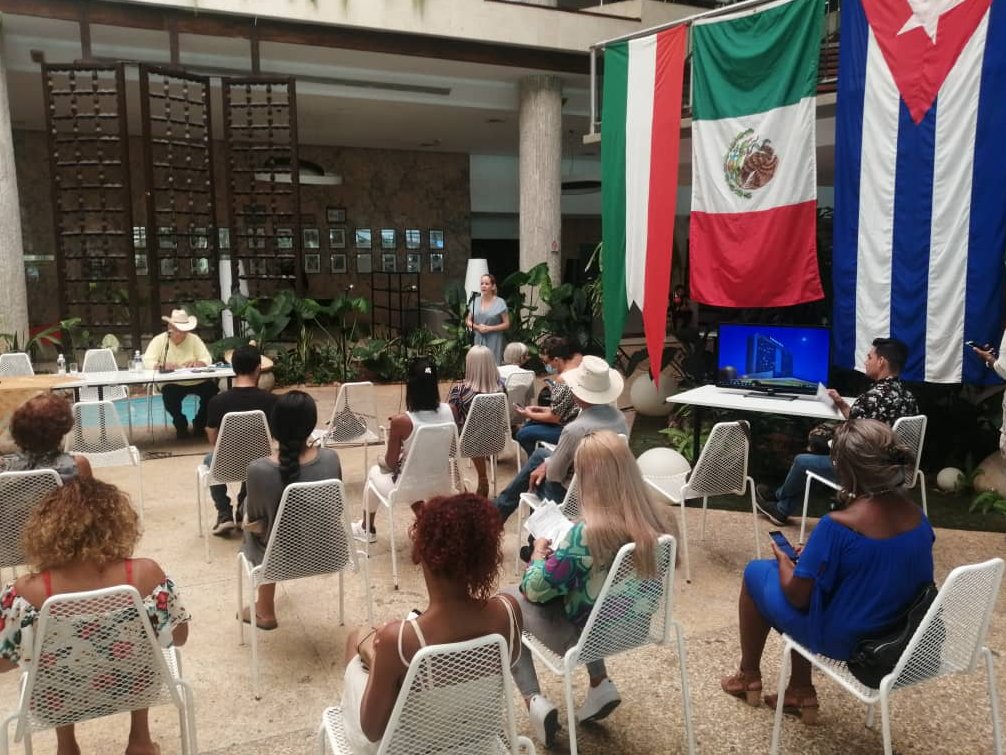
(164, 357)
(471, 312)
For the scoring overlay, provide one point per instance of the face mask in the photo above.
(549, 369)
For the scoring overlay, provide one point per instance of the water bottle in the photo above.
(60, 364)
(137, 361)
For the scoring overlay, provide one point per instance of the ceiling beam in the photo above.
(314, 35)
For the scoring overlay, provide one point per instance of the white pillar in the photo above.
(13, 295)
(541, 173)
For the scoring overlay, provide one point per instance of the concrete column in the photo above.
(13, 296)
(541, 173)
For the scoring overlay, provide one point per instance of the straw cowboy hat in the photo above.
(594, 381)
(181, 320)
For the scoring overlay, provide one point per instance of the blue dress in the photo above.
(491, 315)
(861, 585)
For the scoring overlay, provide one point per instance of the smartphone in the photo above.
(784, 545)
(518, 406)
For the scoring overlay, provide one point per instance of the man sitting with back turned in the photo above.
(594, 386)
(244, 396)
(176, 348)
(886, 400)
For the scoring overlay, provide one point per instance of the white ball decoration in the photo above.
(650, 400)
(949, 479)
(662, 462)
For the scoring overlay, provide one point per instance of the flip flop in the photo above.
(263, 625)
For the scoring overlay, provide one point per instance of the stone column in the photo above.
(541, 173)
(13, 296)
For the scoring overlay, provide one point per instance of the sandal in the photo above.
(743, 685)
(266, 626)
(798, 701)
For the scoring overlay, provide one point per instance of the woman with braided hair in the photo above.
(293, 418)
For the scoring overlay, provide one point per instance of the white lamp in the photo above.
(477, 267)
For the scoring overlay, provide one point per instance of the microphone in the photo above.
(164, 357)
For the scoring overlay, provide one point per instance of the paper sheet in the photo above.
(823, 397)
(548, 521)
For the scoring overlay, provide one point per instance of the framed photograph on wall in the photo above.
(168, 267)
(413, 262)
(312, 263)
(336, 238)
(364, 263)
(388, 240)
(339, 263)
(284, 238)
(141, 264)
(166, 237)
(413, 238)
(139, 237)
(224, 238)
(199, 239)
(389, 263)
(335, 214)
(312, 238)
(200, 265)
(436, 239)
(362, 238)
(436, 262)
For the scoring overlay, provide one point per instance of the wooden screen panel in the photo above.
(91, 197)
(260, 133)
(181, 230)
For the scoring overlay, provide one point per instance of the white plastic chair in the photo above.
(428, 471)
(15, 364)
(310, 536)
(950, 640)
(19, 492)
(103, 360)
(456, 698)
(722, 469)
(119, 646)
(909, 430)
(570, 507)
(519, 390)
(630, 612)
(486, 432)
(98, 435)
(243, 438)
(354, 420)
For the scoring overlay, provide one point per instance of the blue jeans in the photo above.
(790, 495)
(531, 432)
(219, 493)
(509, 498)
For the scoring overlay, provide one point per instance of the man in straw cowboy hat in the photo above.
(595, 386)
(179, 347)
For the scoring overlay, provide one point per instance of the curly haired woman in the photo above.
(81, 537)
(457, 540)
(38, 427)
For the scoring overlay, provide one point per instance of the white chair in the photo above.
(19, 492)
(486, 432)
(428, 471)
(722, 469)
(570, 508)
(909, 430)
(243, 438)
(519, 390)
(456, 698)
(98, 435)
(950, 640)
(630, 612)
(310, 536)
(103, 360)
(354, 420)
(15, 364)
(119, 646)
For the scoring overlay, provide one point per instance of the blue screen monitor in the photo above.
(772, 358)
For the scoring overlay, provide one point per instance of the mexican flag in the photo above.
(754, 170)
(640, 137)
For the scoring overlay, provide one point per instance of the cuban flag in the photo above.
(920, 182)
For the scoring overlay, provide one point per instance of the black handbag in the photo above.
(875, 657)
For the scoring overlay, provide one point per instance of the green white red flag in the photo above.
(754, 170)
(640, 139)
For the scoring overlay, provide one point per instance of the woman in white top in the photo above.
(424, 407)
(457, 540)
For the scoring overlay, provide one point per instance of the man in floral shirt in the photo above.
(886, 400)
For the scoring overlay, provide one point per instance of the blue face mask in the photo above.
(549, 369)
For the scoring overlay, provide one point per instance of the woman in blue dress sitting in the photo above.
(861, 567)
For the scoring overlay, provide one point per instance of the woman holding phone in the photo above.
(861, 567)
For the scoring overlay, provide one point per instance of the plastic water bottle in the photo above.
(137, 361)
(60, 364)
